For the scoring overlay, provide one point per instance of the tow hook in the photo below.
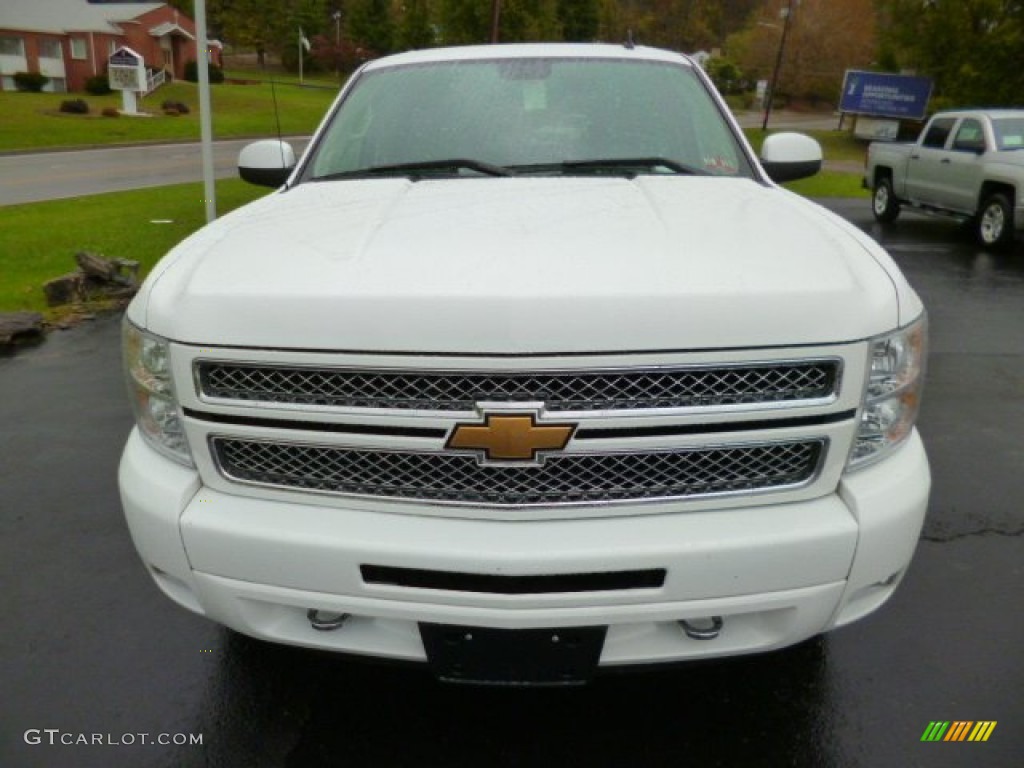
(702, 629)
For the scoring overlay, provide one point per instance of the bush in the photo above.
(98, 85)
(177, 106)
(110, 112)
(31, 82)
(74, 107)
(192, 72)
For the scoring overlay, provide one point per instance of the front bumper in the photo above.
(776, 574)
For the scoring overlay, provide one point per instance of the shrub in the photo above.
(192, 72)
(110, 112)
(32, 82)
(180, 107)
(74, 107)
(98, 85)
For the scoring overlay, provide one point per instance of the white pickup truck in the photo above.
(527, 368)
(966, 164)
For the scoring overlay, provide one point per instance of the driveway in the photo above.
(34, 176)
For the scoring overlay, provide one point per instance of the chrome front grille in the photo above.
(593, 390)
(562, 479)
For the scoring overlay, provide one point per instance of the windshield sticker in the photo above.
(535, 96)
(720, 164)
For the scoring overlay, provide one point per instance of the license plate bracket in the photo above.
(488, 656)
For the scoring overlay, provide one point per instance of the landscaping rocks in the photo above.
(97, 278)
(16, 327)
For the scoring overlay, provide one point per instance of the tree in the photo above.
(579, 19)
(972, 48)
(682, 25)
(464, 22)
(370, 25)
(267, 26)
(825, 38)
(415, 29)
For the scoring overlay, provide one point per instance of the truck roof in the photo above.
(520, 50)
(991, 113)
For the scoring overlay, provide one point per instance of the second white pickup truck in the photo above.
(965, 164)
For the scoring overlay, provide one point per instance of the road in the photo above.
(32, 177)
(89, 647)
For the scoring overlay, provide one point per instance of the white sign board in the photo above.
(876, 129)
(126, 71)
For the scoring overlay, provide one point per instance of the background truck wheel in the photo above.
(995, 222)
(884, 204)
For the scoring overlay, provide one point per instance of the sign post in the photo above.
(126, 72)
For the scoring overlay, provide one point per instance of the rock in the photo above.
(97, 278)
(20, 326)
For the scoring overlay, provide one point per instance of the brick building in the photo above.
(69, 41)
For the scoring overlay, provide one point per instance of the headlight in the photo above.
(892, 395)
(147, 366)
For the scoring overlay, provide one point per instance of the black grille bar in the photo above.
(513, 585)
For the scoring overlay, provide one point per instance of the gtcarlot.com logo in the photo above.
(57, 737)
(958, 730)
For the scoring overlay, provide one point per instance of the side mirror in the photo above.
(790, 156)
(268, 163)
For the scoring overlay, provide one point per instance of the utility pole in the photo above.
(495, 20)
(205, 117)
(788, 13)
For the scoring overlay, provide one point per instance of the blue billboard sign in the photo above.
(880, 94)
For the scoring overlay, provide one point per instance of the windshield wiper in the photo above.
(631, 164)
(410, 169)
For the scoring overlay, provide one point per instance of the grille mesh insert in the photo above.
(560, 391)
(561, 479)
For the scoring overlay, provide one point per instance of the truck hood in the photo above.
(523, 265)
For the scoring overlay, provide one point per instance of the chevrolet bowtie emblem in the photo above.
(511, 438)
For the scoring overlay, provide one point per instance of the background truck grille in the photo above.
(561, 479)
(560, 391)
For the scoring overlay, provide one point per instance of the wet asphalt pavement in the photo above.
(89, 647)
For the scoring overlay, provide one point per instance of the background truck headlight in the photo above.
(892, 394)
(151, 390)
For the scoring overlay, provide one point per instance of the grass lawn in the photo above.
(33, 120)
(38, 241)
(829, 184)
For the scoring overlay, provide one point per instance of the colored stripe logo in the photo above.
(958, 730)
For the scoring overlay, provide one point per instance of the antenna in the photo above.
(277, 118)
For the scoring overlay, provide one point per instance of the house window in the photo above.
(78, 49)
(12, 46)
(50, 49)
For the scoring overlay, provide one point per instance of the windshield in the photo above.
(1009, 132)
(536, 115)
